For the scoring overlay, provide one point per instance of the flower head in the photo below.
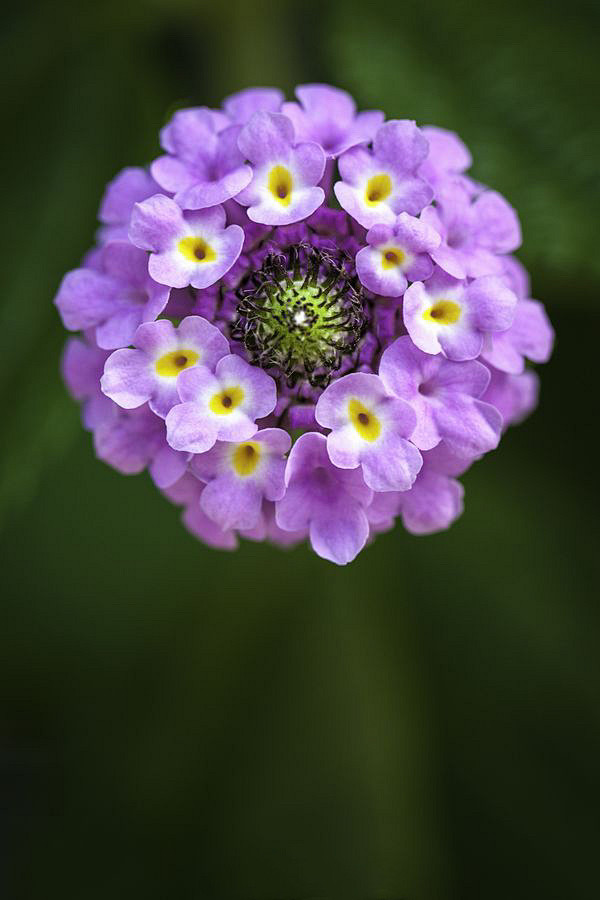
(113, 296)
(328, 501)
(240, 475)
(328, 116)
(186, 248)
(203, 165)
(288, 370)
(284, 186)
(445, 397)
(221, 405)
(396, 254)
(378, 184)
(370, 428)
(445, 315)
(149, 372)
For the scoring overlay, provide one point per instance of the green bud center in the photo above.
(300, 314)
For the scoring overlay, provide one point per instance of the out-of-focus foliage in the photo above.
(519, 81)
(177, 722)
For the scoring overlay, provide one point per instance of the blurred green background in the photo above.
(181, 723)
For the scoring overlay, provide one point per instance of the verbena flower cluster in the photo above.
(304, 321)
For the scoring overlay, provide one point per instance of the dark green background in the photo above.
(181, 723)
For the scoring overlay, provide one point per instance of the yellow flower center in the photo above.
(196, 249)
(171, 364)
(226, 400)
(444, 312)
(367, 424)
(378, 188)
(392, 257)
(246, 458)
(280, 184)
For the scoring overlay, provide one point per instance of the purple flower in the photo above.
(167, 466)
(114, 298)
(433, 503)
(475, 232)
(201, 526)
(379, 184)
(191, 247)
(284, 185)
(514, 396)
(531, 335)
(267, 529)
(130, 186)
(452, 317)
(203, 166)
(151, 371)
(448, 157)
(380, 346)
(330, 502)
(223, 405)
(436, 498)
(516, 276)
(328, 116)
(239, 475)
(396, 254)
(133, 440)
(444, 395)
(240, 107)
(82, 367)
(382, 511)
(130, 440)
(369, 428)
(186, 492)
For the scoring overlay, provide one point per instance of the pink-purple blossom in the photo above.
(396, 254)
(203, 165)
(451, 316)
(370, 428)
(221, 405)
(436, 499)
(241, 106)
(130, 186)
(445, 397)
(328, 116)
(328, 501)
(186, 248)
(478, 228)
(286, 370)
(381, 182)
(113, 297)
(286, 174)
(239, 476)
(149, 371)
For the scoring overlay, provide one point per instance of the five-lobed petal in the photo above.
(186, 247)
(219, 405)
(284, 187)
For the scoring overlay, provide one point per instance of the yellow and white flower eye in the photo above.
(246, 458)
(443, 312)
(393, 256)
(379, 188)
(174, 362)
(281, 184)
(196, 249)
(224, 402)
(364, 420)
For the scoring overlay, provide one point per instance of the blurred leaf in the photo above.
(518, 88)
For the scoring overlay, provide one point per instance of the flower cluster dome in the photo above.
(304, 321)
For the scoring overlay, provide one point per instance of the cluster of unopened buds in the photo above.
(304, 321)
